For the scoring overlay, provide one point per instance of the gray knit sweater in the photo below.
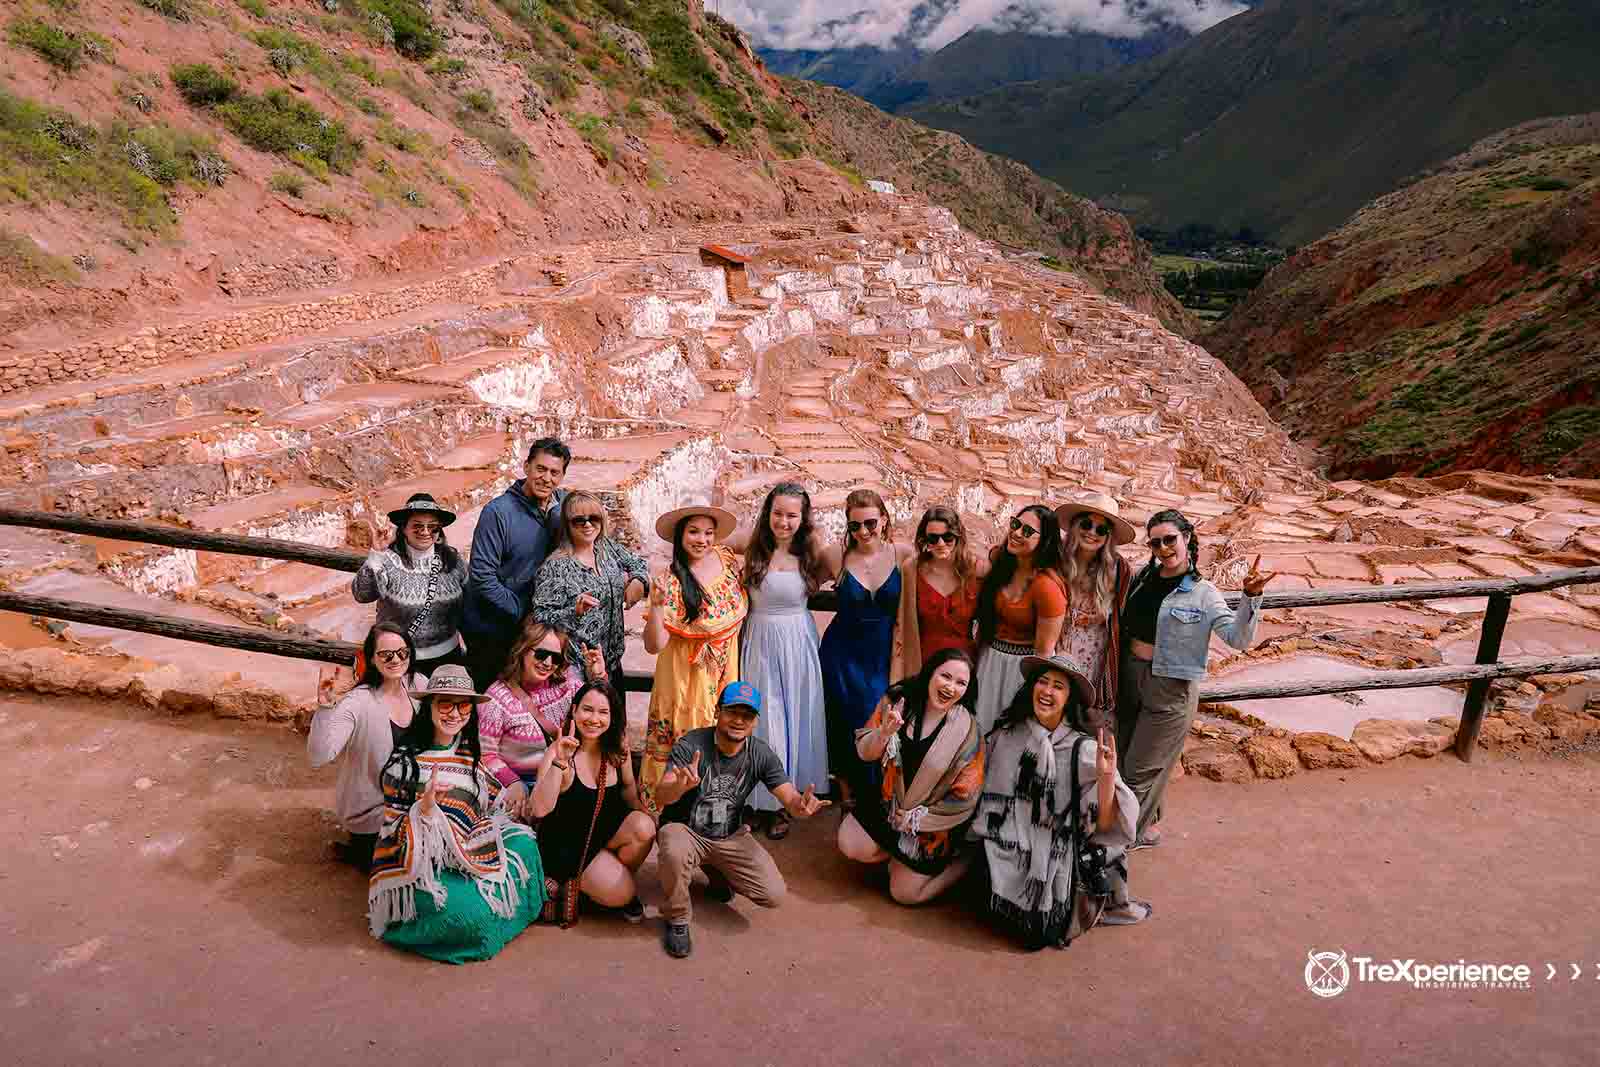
(401, 589)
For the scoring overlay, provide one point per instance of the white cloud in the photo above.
(932, 24)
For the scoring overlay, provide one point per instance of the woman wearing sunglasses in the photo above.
(941, 601)
(1097, 580)
(859, 640)
(361, 730)
(1020, 608)
(526, 706)
(1167, 624)
(588, 582)
(418, 582)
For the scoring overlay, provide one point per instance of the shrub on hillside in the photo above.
(414, 34)
(177, 10)
(54, 45)
(278, 122)
(203, 85)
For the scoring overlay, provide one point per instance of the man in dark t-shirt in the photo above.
(710, 773)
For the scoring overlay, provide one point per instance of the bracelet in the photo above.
(560, 766)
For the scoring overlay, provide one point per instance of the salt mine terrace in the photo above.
(897, 353)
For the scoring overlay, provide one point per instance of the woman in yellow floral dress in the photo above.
(696, 609)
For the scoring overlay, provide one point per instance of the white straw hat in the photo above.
(1100, 504)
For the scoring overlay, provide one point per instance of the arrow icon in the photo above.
(1576, 971)
(1552, 969)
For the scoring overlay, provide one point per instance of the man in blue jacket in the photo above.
(516, 532)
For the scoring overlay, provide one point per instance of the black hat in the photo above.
(422, 502)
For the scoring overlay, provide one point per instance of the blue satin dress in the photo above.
(855, 653)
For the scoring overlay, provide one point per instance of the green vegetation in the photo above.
(287, 181)
(414, 35)
(23, 261)
(682, 66)
(202, 85)
(1565, 431)
(258, 8)
(63, 49)
(177, 10)
(167, 156)
(592, 128)
(277, 121)
(479, 100)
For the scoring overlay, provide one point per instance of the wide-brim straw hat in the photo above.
(422, 502)
(1101, 504)
(667, 522)
(1032, 666)
(450, 680)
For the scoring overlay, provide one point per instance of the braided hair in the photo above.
(1186, 528)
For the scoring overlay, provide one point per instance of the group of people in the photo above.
(1013, 715)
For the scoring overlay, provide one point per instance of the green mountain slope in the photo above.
(1289, 117)
(1451, 324)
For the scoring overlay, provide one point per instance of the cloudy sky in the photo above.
(932, 24)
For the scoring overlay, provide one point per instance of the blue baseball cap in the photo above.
(740, 694)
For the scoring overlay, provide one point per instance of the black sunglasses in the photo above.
(948, 537)
(1027, 531)
(391, 655)
(544, 655)
(1165, 541)
(1088, 525)
(585, 520)
(869, 525)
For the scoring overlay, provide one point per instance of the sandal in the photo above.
(1149, 839)
(778, 828)
(1109, 918)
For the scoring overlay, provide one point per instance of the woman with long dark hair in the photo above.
(593, 827)
(692, 627)
(939, 601)
(454, 877)
(926, 739)
(361, 730)
(1097, 580)
(587, 583)
(857, 645)
(419, 582)
(1037, 856)
(778, 650)
(1021, 607)
(1167, 624)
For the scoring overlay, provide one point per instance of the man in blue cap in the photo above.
(709, 775)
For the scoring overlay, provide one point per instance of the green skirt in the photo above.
(466, 929)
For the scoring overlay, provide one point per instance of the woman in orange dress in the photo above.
(940, 602)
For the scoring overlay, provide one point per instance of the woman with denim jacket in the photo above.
(1167, 622)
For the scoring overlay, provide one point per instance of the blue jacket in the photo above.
(511, 542)
(1188, 617)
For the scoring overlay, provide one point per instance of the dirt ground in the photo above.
(167, 900)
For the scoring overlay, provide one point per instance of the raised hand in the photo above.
(1105, 759)
(658, 591)
(894, 717)
(1255, 581)
(430, 796)
(809, 803)
(585, 603)
(567, 744)
(678, 780)
(594, 664)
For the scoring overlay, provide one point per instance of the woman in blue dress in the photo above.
(858, 643)
(778, 652)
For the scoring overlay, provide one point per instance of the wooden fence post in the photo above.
(1494, 628)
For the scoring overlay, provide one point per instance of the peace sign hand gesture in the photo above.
(658, 591)
(430, 796)
(567, 745)
(1255, 581)
(594, 664)
(1105, 758)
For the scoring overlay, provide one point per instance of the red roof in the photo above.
(724, 252)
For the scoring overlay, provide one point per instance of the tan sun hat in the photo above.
(667, 522)
(450, 680)
(1123, 531)
(1033, 666)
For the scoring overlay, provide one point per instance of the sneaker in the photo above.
(677, 941)
(633, 910)
(717, 887)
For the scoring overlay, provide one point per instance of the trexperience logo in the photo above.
(1329, 973)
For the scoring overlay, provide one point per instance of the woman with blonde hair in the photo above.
(859, 641)
(940, 601)
(588, 582)
(1097, 580)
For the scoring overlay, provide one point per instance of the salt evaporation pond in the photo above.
(1336, 714)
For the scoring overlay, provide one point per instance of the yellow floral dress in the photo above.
(700, 658)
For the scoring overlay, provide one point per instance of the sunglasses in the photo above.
(427, 528)
(947, 538)
(1166, 541)
(391, 655)
(585, 520)
(1088, 525)
(1026, 530)
(869, 525)
(445, 706)
(544, 655)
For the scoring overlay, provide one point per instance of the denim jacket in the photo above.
(1187, 619)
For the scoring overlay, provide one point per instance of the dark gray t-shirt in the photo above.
(712, 808)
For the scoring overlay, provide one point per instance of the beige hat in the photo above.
(667, 522)
(1033, 666)
(450, 680)
(1100, 504)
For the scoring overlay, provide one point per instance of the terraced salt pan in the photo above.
(1335, 714)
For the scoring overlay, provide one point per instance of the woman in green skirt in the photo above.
(454, 878)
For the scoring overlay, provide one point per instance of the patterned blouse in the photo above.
(555, 596)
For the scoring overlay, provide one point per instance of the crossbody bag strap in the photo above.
(572, 890)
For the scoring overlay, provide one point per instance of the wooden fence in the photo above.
(1488, 666)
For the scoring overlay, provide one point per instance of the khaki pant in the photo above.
(747, 866)
(1153, 717)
